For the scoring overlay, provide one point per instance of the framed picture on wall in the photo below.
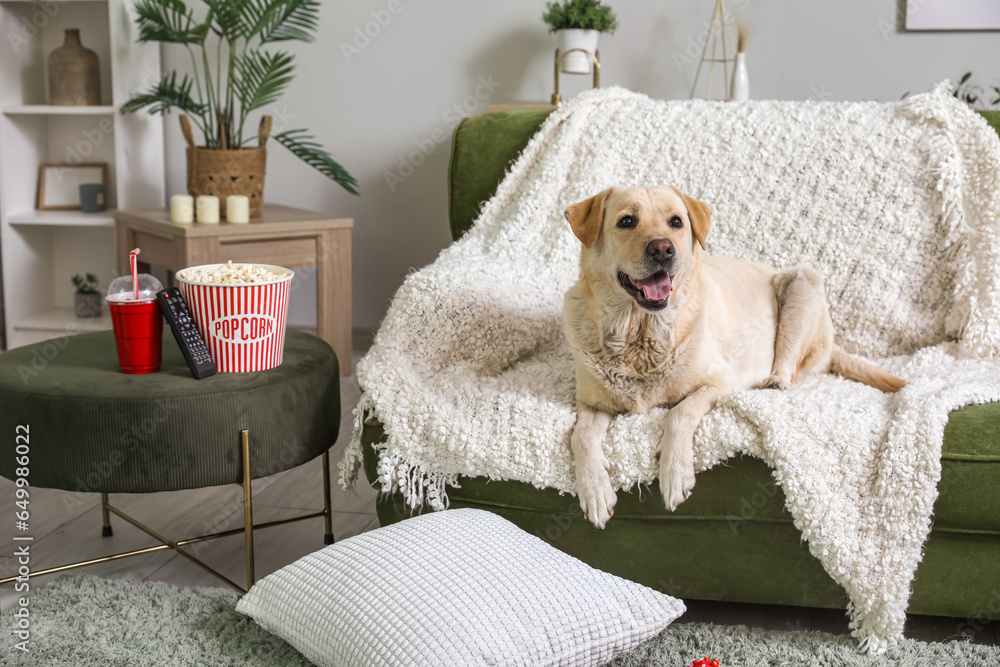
(59, 184)
(953, 15)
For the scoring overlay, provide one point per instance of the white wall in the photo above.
(373, 108)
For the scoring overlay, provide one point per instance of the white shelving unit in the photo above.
(50, 110)
(42, 250)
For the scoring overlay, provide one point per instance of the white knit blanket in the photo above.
(896, 204)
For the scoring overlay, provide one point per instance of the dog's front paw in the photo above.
(775, 382)
(676, 479)
(597, 496)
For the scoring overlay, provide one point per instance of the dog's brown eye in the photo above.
(627, 222)
(676, 222)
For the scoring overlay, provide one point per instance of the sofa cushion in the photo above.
(482, 149)
(737, 508)
(742, 490)
(992, 117)
(969, 493)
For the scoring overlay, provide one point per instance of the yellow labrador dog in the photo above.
(654, 322)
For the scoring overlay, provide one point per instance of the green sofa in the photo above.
(732, 540)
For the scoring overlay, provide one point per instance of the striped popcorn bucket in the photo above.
(242, 324)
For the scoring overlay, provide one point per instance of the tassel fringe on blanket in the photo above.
(896, 204)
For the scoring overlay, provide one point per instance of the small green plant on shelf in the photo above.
(236, 74)
(973, 95)
(85, 284)
(580, 15)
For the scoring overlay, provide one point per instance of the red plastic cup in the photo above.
(138, 327)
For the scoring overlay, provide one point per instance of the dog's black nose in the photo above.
(660, 249)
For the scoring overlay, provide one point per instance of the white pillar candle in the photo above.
(182, 209)
(238, 208)
(208, 209)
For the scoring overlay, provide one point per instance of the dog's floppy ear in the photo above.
(585, 217)
(701, 218)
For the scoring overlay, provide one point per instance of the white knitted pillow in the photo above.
(459, 587)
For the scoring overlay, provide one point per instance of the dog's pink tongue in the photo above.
(657, 287)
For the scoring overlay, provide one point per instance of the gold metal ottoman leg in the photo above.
(106, 528)
(247, 506)
(328, 537)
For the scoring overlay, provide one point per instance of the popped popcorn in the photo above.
(230, 274)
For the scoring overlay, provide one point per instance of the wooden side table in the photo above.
(291, 237)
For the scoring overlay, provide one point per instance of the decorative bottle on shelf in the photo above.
(74, 73)
(741, 83)
(739, 88)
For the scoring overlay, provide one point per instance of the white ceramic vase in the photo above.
(577, 62)
(740, 88)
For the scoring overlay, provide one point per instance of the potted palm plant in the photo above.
(247, 76)
(579, 24)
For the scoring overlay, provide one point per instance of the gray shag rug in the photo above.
(87, 621)
(739, 646)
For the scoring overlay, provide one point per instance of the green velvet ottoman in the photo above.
(91, 428)
(732, 540)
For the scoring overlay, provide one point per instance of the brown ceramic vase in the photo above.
(74, 74)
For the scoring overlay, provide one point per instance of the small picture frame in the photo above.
(59, 184)
(953, 15)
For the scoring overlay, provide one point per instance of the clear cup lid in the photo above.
(121, 289)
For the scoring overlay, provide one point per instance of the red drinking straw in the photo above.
(135, 272)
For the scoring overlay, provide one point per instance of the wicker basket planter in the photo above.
(227, 172)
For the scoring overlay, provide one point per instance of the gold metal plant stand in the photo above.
(718, 24)
(248, 527)
(595, 57)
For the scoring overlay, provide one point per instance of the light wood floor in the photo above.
(67, 528)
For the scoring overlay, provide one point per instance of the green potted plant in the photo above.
(233, 76)
(579, 24)
(974, 95)
(87, 300)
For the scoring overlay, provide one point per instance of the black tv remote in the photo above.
(178, 315)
